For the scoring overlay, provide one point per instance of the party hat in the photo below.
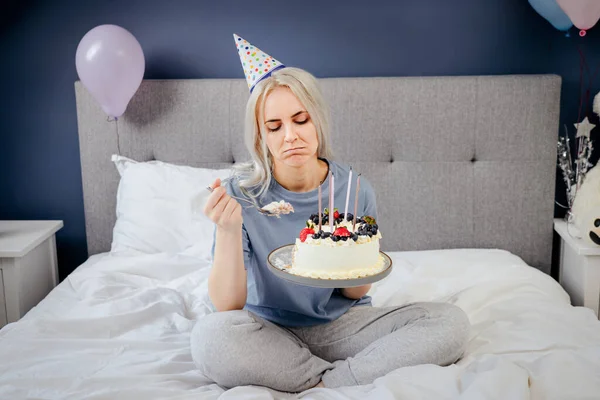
(257, 65)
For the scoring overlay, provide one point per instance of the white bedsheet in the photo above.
(118, 328)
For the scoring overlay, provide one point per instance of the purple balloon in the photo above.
(110, 64)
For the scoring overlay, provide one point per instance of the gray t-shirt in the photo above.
(277, 300)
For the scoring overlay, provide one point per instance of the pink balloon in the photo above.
(110, 64)
(583, 13)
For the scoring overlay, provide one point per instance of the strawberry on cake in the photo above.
(345, 253)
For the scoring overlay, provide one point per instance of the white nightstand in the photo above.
(579, 267)
(28, 266)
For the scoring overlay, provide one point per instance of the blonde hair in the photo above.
(255, 176)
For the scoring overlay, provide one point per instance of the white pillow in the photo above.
(159, 208)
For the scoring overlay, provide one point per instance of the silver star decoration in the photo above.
(584, 128)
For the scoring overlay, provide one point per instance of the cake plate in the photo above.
(280, 262)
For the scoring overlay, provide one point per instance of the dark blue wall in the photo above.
(40, 176)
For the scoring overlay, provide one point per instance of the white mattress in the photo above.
(118, 328)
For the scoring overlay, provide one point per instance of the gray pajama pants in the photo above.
(236, 348)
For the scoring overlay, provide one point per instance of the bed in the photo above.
(464, 170)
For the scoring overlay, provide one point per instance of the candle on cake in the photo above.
(355, 203)
(331, 200)
(348, 194)
(320, 210)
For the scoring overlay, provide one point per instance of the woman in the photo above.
(274, 333)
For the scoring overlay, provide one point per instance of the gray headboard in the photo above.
(457, 162)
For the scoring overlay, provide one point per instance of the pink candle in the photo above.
(331, 188)
(332, 192)
(348, 194)
(355, 203)
(319, 208)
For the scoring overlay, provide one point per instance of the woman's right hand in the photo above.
(221, 209)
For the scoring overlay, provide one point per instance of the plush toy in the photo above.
(586, 207)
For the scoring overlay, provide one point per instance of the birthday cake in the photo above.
(344, 248)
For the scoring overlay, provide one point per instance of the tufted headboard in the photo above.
(456, 162)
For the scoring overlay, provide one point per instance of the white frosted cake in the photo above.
(347, 253)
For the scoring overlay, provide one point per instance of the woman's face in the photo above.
(291, 134)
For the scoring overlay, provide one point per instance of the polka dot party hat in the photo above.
(257, 65)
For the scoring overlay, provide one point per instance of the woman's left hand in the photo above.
(356, 292)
